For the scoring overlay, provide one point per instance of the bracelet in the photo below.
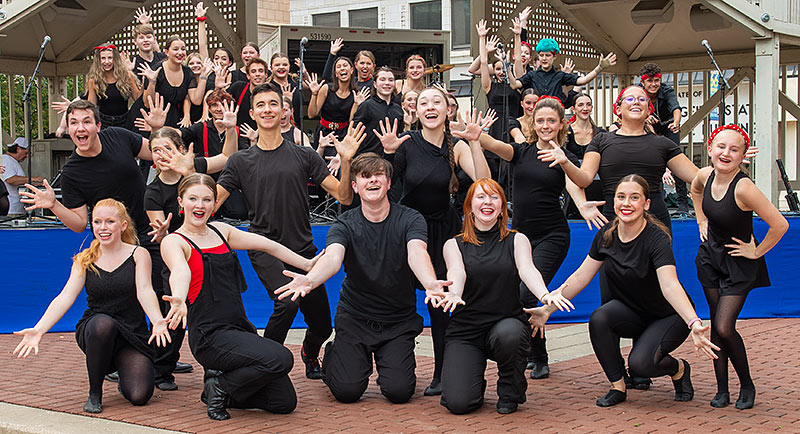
(201, 19)
(486, 130)
(691, 323)
(203, 77)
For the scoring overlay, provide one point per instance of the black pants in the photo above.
(254, 370)
(463, 383)
(549, 252)
(167, 356)
(348, 358)
(315, 307)
(653, 341)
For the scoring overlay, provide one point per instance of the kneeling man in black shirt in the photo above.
(383, 246)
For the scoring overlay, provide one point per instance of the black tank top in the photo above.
(336, 109)
(114, 104)
(289, 136)
(491, 291)
(725, 218)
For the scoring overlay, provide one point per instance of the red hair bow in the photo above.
(733, 127)
(105, 47)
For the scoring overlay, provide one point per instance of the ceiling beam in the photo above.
(789, 105)
(18, 10)
(648, 39)
(590, 30)
(39, 30)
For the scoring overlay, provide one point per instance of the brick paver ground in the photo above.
(56, 380)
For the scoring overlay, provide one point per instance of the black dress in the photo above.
(496, 100)
(716, 268)
(334, 109)
(175, 95)
(113, 293)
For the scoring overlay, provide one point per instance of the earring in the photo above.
(180, 211)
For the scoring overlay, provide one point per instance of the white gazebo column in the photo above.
(765, 115)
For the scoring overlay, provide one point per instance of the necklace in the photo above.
(195, 233)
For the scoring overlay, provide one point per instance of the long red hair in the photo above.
(489, 186)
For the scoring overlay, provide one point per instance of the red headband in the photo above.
(105, 47)
(645, 76)
(733, 127)
(619, 98)
(525, 43)
(550, 97)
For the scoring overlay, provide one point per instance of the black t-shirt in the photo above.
(630, 269)
(379, 285)
(138, 61)
(164, 197)
(491, 291)
(422, 170)
(370, 113)
(275, 187)
(549, 82)
(240, 90)
(537, 188)
(113, 173)
(214, 139)
(646, 155)
(573, 146)
(238, 75)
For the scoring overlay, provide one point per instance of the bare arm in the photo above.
(91, 94)
(202, 34)
(328, 265)
(241, 240)
(750, 198)
(74, 218)
(698, 185)
(420, 263)
(499, 148)
(681, 166)
(316, 101)
(523, 258)
(222, 196)
(144, 290)
(175, 253)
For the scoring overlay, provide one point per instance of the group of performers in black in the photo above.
(402, 154)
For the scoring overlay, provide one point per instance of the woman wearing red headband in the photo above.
(111, 84)
(729, 260)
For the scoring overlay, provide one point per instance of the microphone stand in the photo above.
(472, 78)
(507, 80)
(26, 99)
(300, 84)
(723, 85)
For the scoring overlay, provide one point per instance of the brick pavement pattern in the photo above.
(56, 380)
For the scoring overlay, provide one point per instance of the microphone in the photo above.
(45, 42)
(704, 43)
(303, 41)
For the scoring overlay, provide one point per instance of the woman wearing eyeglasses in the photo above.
(628, 150)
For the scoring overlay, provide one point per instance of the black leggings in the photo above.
(254, 369)
(106, 351)
(314, 306)
(463, 383)
(654, 340)
(549, 252)
(724, 312)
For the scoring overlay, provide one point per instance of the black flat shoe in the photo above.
(612, 398)
(434, 389)
(747, 399)
(93, 405)
(208, 374)
(217, 399)
(506, 407)
(683, 386)
(113, 377)
(183, 368)
(540, 371)
(638, 383)
(167, 386)
(721, 399)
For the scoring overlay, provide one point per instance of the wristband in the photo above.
(486, 130)
(691, 323)
(201, 18)
(203, 77)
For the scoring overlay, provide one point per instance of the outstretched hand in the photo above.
(388, 136)
(177, 311)
(38, 199)
(590, 211)
(160, 229)
(300, 286)
(450, 302)
(157, 115)
(538, 317)
(556, 298)
(348, 146)
(555, 155)
(474, 124)
(30, 342)
(609, 60)
(229, 115)
(160, 333)
(702, 345)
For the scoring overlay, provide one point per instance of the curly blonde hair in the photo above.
(122, 74)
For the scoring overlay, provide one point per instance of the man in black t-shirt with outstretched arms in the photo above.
(273, 176)
(383, 246)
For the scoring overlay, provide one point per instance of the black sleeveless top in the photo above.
(491, 291)
(218, 305)
(289, 136)
(175, 95)
(336, 109)
(495, 98)
(113, 293)
(716, 268)
(114, 104)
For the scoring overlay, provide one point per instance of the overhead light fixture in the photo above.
(653, 12)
